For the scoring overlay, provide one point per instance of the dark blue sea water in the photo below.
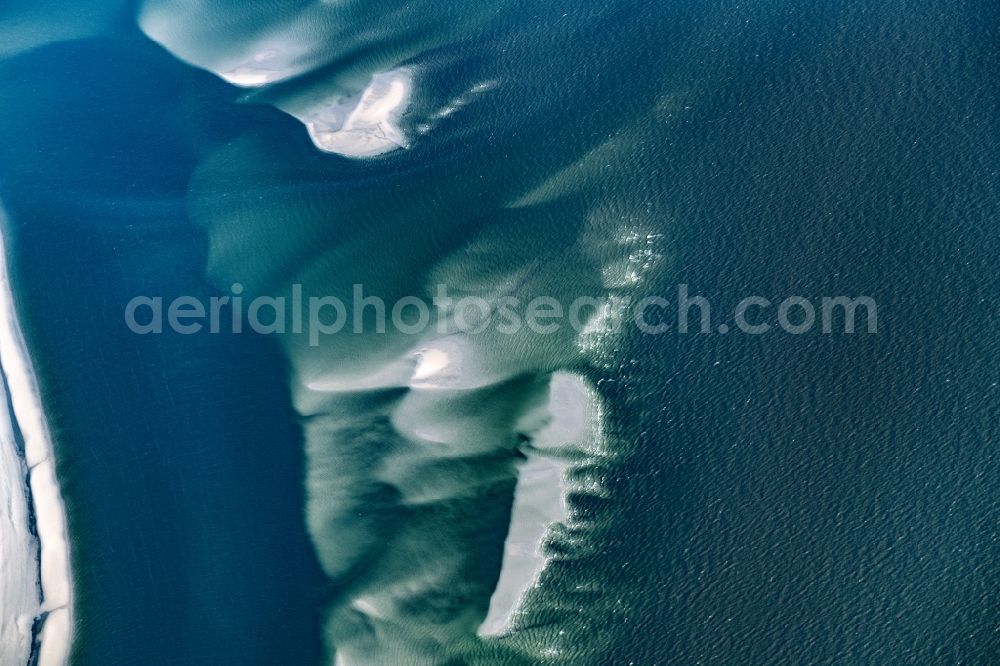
(793, 499)
(178, 456)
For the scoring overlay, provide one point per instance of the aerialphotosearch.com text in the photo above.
(362, 313)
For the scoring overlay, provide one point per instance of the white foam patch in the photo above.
(49, 510)
(367, 126)
(456, 104)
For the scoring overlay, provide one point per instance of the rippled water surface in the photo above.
(601, 496)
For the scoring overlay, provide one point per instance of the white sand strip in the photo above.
(50, 512)
(538, 504)
(19, 599)
(571, 424)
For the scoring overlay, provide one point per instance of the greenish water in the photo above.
(737, 499)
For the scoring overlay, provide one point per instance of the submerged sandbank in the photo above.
(359, 120)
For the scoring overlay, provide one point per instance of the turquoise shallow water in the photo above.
(753, 499)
